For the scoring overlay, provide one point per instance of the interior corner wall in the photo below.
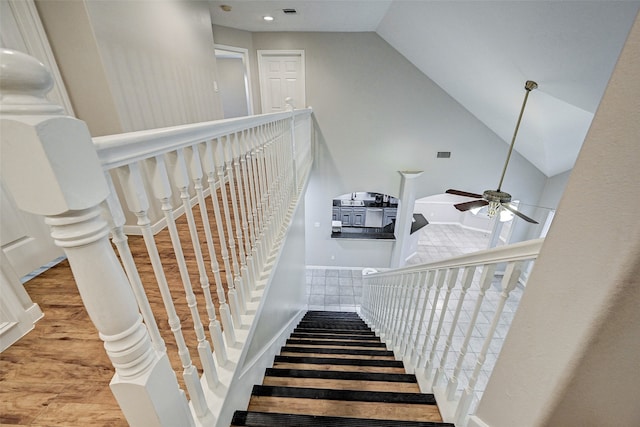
(572, 354)
(75, 48)
(135, 65)
(376, 114)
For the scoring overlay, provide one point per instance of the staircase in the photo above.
(334, 371)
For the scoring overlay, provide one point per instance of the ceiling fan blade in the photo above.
(464, 193)
(463, 207)
(518, 213)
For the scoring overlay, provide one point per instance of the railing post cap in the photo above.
(24, 83)
(49, 163)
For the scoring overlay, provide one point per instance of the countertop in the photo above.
(368, 204)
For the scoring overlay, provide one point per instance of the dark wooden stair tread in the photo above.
(343, 351)
(338, 361)
(338, 375)
(342, 343)
(344, 395)
(332, 336)
(362, 332)
(268, 419)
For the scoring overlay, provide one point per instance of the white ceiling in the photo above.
(481, 53)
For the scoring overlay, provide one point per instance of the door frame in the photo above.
(262, 54)
(239, 52)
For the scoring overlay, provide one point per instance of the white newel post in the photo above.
(404, 217)
(51, 168)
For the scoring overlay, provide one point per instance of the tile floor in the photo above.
(339, 289)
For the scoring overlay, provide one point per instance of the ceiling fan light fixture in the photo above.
(497, 200)
(493, 208)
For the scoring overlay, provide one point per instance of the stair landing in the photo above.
(334, 371)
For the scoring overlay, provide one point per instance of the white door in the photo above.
(24, 237)
(281, 77)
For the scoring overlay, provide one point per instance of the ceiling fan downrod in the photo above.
(529, 86)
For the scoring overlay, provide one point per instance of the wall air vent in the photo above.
(444, 154)
(290, 11)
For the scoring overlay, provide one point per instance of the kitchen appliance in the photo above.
(374, 217)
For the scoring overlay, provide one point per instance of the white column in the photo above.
(404, 217)
(51, 169)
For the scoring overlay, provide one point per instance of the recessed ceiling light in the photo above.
(225, 7)
(268, 18)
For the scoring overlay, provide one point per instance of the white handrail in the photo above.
(514, 252)
(121, 149)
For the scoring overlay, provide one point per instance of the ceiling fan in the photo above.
(497, 199)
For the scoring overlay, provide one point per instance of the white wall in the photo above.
(135, 65)
(572, 354)
(377, 114)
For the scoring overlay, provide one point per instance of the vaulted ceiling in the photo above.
(481, 53)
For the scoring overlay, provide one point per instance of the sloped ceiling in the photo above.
(482, 52)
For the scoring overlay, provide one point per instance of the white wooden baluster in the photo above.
(284, 163)
(181, 179)
(210, 169)
(442, 273)
(488, 272)
(290, 190)
(116, 219)
(392, 283)
(387, 290)
(274, 179)
(399, 304)
(219, 159)
(255, 156)
(396, 288)
(365, 302)
(415, 352)
(368, 299)
(162, 191)
(387, 316)
(231, 165)
(293, 151)
(263, 185)
(280, 181)
(368, 308)
(411, 286)
(467, 277)
(68, 189)
(410, 343)
(509, 282)
(195, 167)
(254, 217)
(240, 166)
(451, 282)
(381, 302)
